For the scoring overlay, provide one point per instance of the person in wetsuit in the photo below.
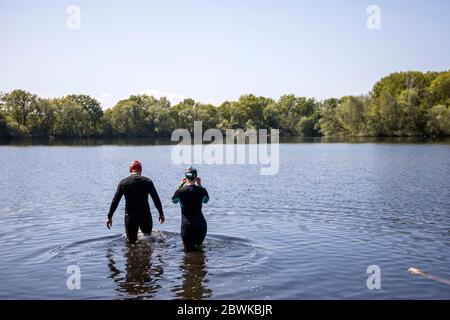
(136, 189)
(191, 195)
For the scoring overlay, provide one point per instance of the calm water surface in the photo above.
(309, 232)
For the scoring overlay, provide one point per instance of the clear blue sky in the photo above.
(217, 50)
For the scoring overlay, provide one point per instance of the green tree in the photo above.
(225, 116)
(207, 114)
(328, 123)
(250, 113)
(3, 127)
(130, 118)
(410, 113)
(19, 104)
(400, 104)
(350, 113)
(42, 122)
(389, 114)
(161, 123)
(439, 121)
(107, 123)
(440, 89)
(16, 130)
(287, 113)
(396, 82)
(273, 116)
(72, 119)
(92, 107)
(306, 126)
(184, 114)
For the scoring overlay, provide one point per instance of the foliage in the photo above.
(402, 104)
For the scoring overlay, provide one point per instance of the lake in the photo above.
(308, 232)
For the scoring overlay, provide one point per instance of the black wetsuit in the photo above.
(193, 223)
(136, 189)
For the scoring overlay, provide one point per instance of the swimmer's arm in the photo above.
(205, 196)
(115, 201)
(175, 197)
(182, 183)
(155, 197)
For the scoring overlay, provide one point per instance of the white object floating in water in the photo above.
(417, 271)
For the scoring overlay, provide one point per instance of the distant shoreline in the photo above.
(164, 141)
(402, 104)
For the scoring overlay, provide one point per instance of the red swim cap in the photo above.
(136, 166)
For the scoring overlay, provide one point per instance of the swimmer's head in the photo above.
(190, 173)
(135, 167)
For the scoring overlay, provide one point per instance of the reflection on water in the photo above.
(143, 269)
(142, 273)
(194, 281)
(156, 266)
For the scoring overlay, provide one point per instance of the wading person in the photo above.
(191, 195)
(136, 189)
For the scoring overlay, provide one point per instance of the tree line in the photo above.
(402, 104)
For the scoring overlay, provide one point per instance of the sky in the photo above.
(213, 51)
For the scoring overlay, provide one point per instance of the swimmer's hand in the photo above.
(182, 183)
(161, 219)
(109, 223)
(198, 181)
